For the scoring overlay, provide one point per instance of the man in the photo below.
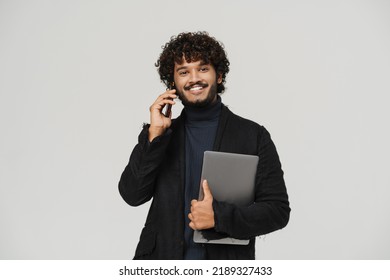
(166, 163)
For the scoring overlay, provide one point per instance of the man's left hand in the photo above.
(202, 213)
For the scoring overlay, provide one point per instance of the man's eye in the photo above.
(204, 69)
(182, 73)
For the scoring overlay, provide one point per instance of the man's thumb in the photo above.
(206, 190)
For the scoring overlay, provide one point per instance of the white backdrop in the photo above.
(77, 79)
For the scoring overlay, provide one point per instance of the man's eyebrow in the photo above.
(181, 68)
(201, 63)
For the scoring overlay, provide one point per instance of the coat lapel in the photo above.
(223, 119)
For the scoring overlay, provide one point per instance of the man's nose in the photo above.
(194, 76)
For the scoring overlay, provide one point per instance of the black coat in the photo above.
(156, 170)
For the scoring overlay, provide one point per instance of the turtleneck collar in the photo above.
(208, 113)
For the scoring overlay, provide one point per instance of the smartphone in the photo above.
(168, 107)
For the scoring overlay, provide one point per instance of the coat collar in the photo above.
(223, 119)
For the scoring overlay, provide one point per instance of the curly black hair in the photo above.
(194, 46)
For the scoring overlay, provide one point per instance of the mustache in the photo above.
(196, 84)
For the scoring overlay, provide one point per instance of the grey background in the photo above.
(77, 79)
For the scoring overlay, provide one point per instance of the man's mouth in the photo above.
(196, 87)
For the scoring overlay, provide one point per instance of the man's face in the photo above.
(196, 83)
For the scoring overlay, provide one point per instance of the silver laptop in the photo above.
(231, 178)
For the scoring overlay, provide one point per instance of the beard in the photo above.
(210, 98)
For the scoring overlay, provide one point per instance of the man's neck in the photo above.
(207, 113)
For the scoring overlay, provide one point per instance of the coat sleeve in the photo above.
(270, 211)
(136, 184)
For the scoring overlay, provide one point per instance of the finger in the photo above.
(164, 100)
(171, 91)
(160, 104)
(168, 94)
(206, 190)
(190, 217)
(193, 202)
(192, 225)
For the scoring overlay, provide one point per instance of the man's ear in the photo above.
(219, 80)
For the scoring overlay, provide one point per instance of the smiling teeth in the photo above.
(196, 88)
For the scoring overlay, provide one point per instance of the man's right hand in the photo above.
(158, 121)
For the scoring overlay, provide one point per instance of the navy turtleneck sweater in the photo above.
(201, 128)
